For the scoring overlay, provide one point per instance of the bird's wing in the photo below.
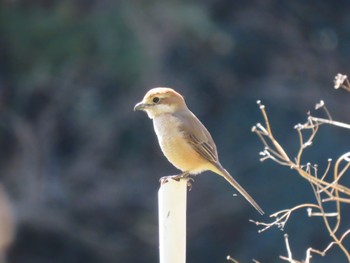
(197, 135)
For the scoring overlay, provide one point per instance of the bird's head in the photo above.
(161, 100)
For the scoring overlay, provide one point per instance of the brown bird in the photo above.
(184, 140)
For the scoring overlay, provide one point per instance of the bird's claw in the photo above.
(177, 177)
(189, 183)
(165, 179)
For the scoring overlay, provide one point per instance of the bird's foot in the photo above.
(184, 175)
(189, 183)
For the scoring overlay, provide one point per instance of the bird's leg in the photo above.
(185, 175)
(176, 177)
(181, 175)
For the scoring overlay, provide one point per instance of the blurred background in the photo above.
(79, 169)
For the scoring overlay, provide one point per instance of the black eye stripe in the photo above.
(155, 99)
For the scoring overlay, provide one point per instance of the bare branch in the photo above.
(326, 188)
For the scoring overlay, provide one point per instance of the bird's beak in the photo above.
(140, 106)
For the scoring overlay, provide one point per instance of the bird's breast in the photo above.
(169, 136)
(175, 146)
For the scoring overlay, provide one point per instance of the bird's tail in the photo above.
(221, 171)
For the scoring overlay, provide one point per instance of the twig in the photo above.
(325, 188)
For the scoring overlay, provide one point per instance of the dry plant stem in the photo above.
(335, 196)
(278, 154)
(282, 217)
(229, 258)
(327, 224)
(341, 81)
(267, 123)
(318, 181)
(332, 188)
(331, 199)
(309, 252)
(303, 144)
(323, 253)
(317, 192)
(327, 169)
(289, 252)
(326, 121)
(282, 220)
(337, 176)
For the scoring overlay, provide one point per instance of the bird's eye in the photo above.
(155, 100)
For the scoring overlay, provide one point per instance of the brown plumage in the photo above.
(184, 140)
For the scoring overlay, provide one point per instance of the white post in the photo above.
(172, 200)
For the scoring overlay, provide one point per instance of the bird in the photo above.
(183, 139)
